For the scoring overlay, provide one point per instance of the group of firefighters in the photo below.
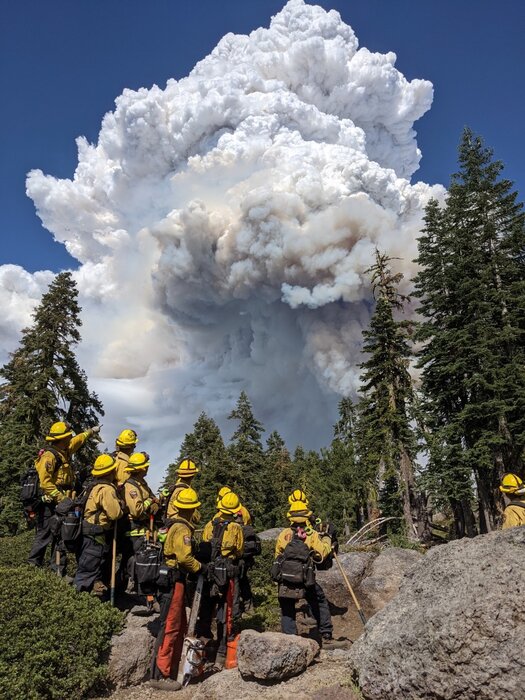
(119, 513)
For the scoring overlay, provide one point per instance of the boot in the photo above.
(167, 684)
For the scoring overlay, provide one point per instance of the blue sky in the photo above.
(62, 64)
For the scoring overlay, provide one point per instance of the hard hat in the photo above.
(187, 468)
(104, 464)
(58, 431)
(511, 483)
(222, 492)
(299, 511)
(229, 503)
(186, 499)
(127, 438)
(298, 495)
(138, 461)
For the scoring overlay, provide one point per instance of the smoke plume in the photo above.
(224, 224)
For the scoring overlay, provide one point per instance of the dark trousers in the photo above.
(168, 647)
(321, 612)
(94, 562)
(228, 615)
(43, 538)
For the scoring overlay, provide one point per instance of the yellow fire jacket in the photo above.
(178, 550)
(181, 484)
(233, 540)
(121, 463)
(138, 497)
(320, 544)
(103, 506)
(57, 483)
(514, 515)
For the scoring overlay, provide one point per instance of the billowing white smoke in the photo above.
(224, 226)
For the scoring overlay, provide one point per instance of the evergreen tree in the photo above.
(249, 477)
(387, 390)
(205, 446)
(281, 472)
(42, 383)
(472, 290)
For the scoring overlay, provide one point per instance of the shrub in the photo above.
(53, 641)
(266, 615)
(15, 550)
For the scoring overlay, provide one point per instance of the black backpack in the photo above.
(252, 542)
(148, 561)
(221, 569)
(294, 568)
(71, 524)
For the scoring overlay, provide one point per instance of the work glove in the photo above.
(154, 508)
(47, 499)
(95, 430)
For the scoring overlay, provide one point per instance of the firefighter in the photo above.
(514, 514)
(243, 513)
(180, 562)
(186, 471)
(141, 505)
(57, 479)
(325, 627)
(125, 445)
(297, 548)
(102, 509)
(226, 538)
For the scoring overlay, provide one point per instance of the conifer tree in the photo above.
(205, 446)
(42, 383)
(280, 470)
(249, 477)
(387, 390)
(471, 286)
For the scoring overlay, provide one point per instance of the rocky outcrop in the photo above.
(455, 630)
(272, 656)
(271, 534)
(131, 650)
(375, 578)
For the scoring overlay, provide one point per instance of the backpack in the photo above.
(221, 569)
(30, 492)
(252, 542)
(294, 568)
(148, 561)
(71, 525)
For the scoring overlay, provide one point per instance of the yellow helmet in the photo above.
(138, 461)
(186, 499)
(511, 483)
(298, 495)
(229, 503)
(58, 431)
(299, 512)
(187, 468)
(127, 438)
(222, 492)
(104, 464)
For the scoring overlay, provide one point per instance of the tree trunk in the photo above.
(464, 521)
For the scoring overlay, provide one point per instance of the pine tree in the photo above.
(472, 291)
(280, 469)
(249, 477)
(205, 446)
(387, 390)
(43, 383)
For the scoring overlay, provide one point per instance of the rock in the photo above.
(272, 656)
(131, 650)
(354, 565)
(456, 629)
(385, 575)
(271, 534)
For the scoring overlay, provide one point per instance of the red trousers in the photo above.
(172, 631)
